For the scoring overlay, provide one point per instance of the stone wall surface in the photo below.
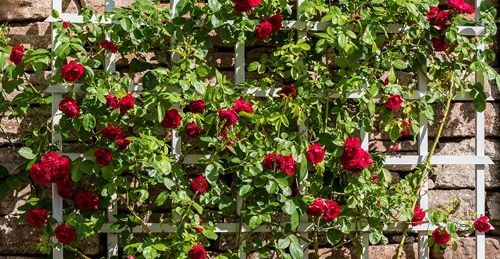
(18, 241)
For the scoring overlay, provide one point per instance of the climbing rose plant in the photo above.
(258, 148)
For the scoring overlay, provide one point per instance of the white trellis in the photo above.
(479, 160)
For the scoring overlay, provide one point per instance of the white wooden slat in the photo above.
(57, 5)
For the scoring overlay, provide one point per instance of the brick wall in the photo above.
(19, 241)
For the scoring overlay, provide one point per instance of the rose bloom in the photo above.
(197, 252)
(66, 102)
(263, 30)
(125, 104)
(241, 106)
(111, 100)
(460, 6)
(432, 12)
(72, 111)
(332, 210)
(65, 234)
(287, 164)
(439, 44)
(16, 55)
(197, 182)
(122, 142)
(357, 163)
(316, 154)
(65, 191)
(172, 119)
(245, 5)
(442, 19)
(418, 216)
(404, 132)
(395, 148)
(50, 157)
(103, 156)
(393, 102)
(441, 239)
(39, 176)
(60, 169)
(72, 71)
(65, 25)
(269, 161)
(112, 133)
(482, 224)
(275, 21)
(197, 106)
(108, 45)
(193, 131)
(36, 217)
(351, 147)
(288, 91)
(228, 117)
(375, 176)
(86, 201)
(316, 208)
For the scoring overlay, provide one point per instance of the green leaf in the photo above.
(149, 81)
(203, 70)
(375, 236)
(226, 205)
(180, 5)
(255, 221)
(211, 174)
(399, 64)
(149, 252)
(161, 198)
(76, 173)
(214, 5)
(289, 207)
(392, 75)
(26, 152)
(246, 191)
(253, 66)
(295, 220)
(209, 234)
(4, 173)
(14, 182)
(333, 236)
(127, 24)
(296, 251)
(342, 41)
(385, 177)
(340, 62)
(199, 86)
(395, 133)
(62, 50)
(89, 122)
(321, 46)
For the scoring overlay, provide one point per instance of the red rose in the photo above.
(164, 21)
(357, 17)
(65, 25)
(404, 132)
(316, 154)
(197, 106)
(39, 176)
(245, 5)
(108, 45)
(386, 81)
(357, 163)
(439, 44)
(112, 133)
(418, 216)
(227, 117)
(269, 161)
(122, 142)
(72, 71)
(125, 104)
(482, 224)
(295, 188)
(72, 111)
(288, 91)
(442, 19)
(50, 157)
(441, 239)
(193, 131)
(65, 234)
(37, 217)
(86, 201)
(65, 191)
(460, 7)
(197, 252)
(16, 55)
(199, 185)
(316, 207)
(199, 230)
(375, 176)
(241, 106)
(60, 169)
(66, 102)
(263, 30)
(172, 119)
(395, 148)
(275, 21)
(432, 12)
(230, 144)
(287, 164)
(103, 156)
(393, 102)
(111, 100)
(332, 210)
(351, 147)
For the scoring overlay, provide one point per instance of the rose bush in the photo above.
(295, 151)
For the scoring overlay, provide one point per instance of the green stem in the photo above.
(427, 165)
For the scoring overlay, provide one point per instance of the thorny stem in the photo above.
(240, 228)
(131, 209)
(345, 242)
(315, 237)
(77, 251)
(427, 164)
